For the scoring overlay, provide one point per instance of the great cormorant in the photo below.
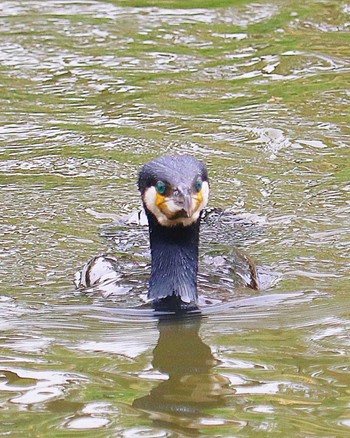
(174, 191)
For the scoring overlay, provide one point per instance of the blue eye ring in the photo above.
(161, 187)
(199, 184)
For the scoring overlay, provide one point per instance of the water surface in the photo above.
(90, 90)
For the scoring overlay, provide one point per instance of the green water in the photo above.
(89, 91)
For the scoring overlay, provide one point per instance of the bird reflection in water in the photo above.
(192, 387)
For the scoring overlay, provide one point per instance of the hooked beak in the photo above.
(183, 200)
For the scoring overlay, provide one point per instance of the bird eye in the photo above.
(161, 187)
(199, 185)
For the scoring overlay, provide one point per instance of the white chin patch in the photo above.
(150, 197)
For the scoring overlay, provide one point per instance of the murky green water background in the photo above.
(89, 91)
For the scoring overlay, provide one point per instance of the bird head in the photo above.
(174, 189)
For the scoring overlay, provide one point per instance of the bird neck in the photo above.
(174, 252)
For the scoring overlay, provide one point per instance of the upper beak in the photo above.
(188, 205)
(183, 199)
